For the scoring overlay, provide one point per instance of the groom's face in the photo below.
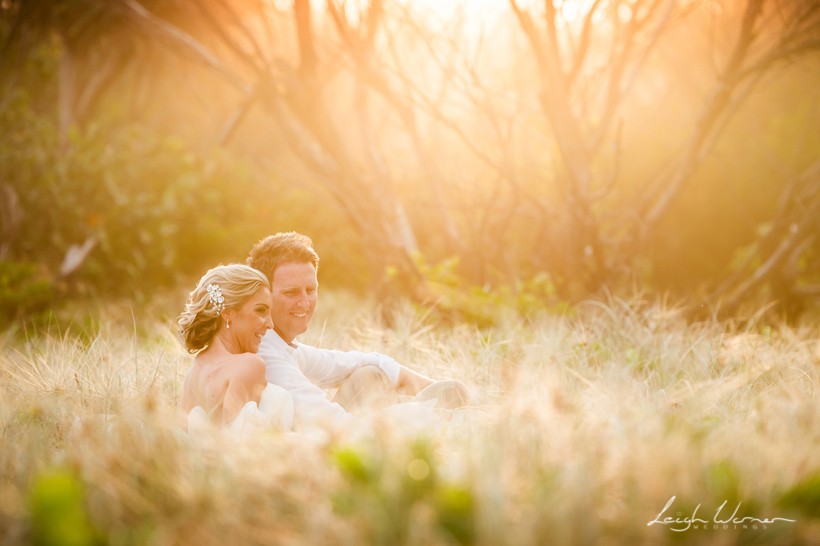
(295, 291)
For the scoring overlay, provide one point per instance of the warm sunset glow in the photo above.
(570, 251)
(572, 139)
(447, 9)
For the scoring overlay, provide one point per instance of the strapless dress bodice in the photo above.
(274, 411)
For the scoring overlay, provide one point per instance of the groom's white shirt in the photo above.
(304, 371)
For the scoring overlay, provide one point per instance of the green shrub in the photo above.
(482, 305)
(24, 291)
(154, 210)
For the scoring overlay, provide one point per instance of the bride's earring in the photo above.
(228, 324)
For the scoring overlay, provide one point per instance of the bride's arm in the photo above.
(245, 384)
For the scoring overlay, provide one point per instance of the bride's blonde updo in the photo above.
(223, 287)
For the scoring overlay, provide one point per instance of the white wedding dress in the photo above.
(274, 411)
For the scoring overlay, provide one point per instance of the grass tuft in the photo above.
(584, 427)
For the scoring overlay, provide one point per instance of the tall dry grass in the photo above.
(584, 427)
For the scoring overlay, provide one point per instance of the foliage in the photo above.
(803, 497)
(567, 155)
(58, 514)
(24, 291)
(451, 294)
(395, 486)
(149, 206)
(152, 210)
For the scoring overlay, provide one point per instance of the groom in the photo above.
(363, 379)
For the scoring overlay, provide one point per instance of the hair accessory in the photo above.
(215, 295)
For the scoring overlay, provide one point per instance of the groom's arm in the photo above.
(329, 368)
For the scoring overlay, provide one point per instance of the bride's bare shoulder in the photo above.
(247, 367)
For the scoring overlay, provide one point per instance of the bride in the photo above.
(224, 320)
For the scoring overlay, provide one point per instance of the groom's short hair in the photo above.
(275, 250)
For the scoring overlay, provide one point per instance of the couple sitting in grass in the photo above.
(242, 322)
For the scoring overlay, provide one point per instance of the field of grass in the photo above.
(584, 427)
